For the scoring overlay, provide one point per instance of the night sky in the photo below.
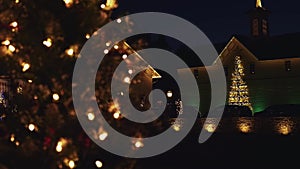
(220, 19)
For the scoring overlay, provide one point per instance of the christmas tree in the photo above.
(39, 44)
(238, 94)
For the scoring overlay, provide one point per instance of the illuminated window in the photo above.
(288, 65)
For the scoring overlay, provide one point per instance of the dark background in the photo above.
(221, 19)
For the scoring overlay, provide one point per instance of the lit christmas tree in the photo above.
(238, 94)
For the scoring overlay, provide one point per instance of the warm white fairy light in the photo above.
(211, 127)
(70, 51)
(68, 3)
(107, 44)
(117, 114)
(29, 81)
(169, 94)
(55, 97)
(176, 127)
(127, 79)
(71, 164)
(116, 47)
(17, 1)
(103, 135)
(14, 24)
(19, 89)
(124, 56)
(59, 147)
(11, 48)
(6, 42)
(138, 144)
(91, 116)
(98, 163)
(130, 71)
(109, 5)
(119, 20)
(87, 36)
(105, 51)
(31, 127)
(17, 143)
(12, 138)
(48, 42)
(60, 144)
(25, 66)
(102, 6)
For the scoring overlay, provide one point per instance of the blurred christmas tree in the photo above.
(40, 41)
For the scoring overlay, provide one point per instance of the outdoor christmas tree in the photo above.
(39, 44)
(238, 94)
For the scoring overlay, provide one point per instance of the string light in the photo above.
(117, 114)
(14, 24)
(59, 146)
(17, 1)
(103, 136)
(107, 44)
(127, 80)
(109, 5)
(87, 36)
(6, 42)
(71, 164)
(19, 89)
(91, 116)
(55, 97)
(116, 47)
(119, 20)
(98, 164)
(169, 94)
(31, 127)
(138, 144)
(26, 66)
(29, 81)
(12, 137)
(47, 42)
(210, 127)
(176, 127)
(11, 48)
(102, 6)
(68, 3)
(105, 51)
(124, 56)
(238, 95)
(177, 124)
(70, 51)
